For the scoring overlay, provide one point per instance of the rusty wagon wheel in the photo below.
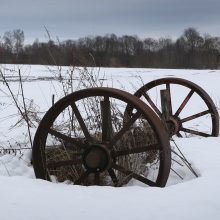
(84, 139)
(182, 116)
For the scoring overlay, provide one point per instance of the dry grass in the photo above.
(135, 138)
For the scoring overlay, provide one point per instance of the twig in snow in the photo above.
(183, 158)
(25, 109)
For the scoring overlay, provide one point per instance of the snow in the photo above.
(24, 197)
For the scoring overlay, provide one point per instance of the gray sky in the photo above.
(71, 19)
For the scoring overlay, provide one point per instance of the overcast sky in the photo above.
(71, 19)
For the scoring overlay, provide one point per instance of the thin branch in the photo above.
(183, 158)
(25, 109)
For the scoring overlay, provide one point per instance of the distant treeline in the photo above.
(190, 50)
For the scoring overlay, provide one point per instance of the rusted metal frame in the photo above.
(55, 164)
(134, 175)
(81, 122)
(66, 138)
(137, 150)
(106, 119)
(45, 128)
(125, 128)
(185, 101)
(197, 89)
(154, 107)
(195, 116)
(215, 118)
(195, 132)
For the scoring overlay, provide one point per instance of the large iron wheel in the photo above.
(182, 115)
(85, 139)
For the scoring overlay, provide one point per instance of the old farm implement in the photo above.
(105, 136)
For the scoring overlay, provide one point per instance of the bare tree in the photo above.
(192, 39)
(18, 40)
(8, 41)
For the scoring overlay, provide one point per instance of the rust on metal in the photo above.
(100, 152)
(175, 122)
(103, 154)
(195, 116)
(81, 122)
(184, 103)
(147, 97)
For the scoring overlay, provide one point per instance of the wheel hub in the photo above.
(96, 158)
(173, 125)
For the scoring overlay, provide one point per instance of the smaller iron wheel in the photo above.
(185, 108)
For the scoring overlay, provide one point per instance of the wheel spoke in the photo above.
(112, 174)
(185, 101)
(125, 128)
(99, 141)
(81, 122)
(56, 164)
(179, 135)
(82, 178)
(106, 119)
(136, 150)
(154, 107)
(195, 132)
(134, 175)
(195, 116)
(65, 138)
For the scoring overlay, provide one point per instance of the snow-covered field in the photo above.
(24, 197)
